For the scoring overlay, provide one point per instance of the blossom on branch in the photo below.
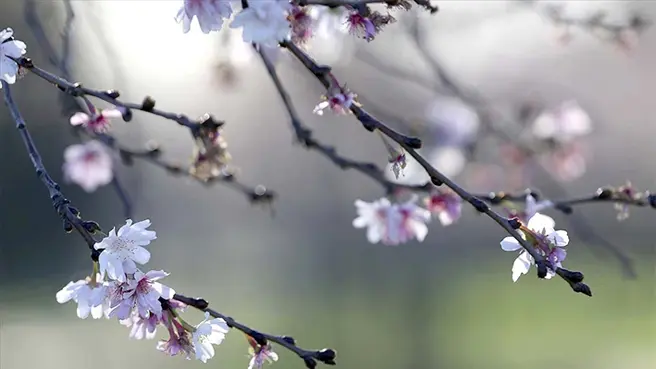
(259, 354)
(445, 204)
(392, 224)
(208, 333)
(140, 294)
(210, 14)
(264, 22)
(339, 100)
(99, 121)
(85, 293)
(89, 165)
(10, 48)
(547, 242)
(123, 250)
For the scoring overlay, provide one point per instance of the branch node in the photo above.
(479, 205)
(289, 339)
(148, 104)
(326, 356)
(413, 142)
(114, 94)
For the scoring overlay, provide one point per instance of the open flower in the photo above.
(445, 204)
(84, 292)
(264, 22)
(392, 223)
(547, 242)
(99, 121)
(89, 165)
(210, 14)
(141, 328)
(123, 250)
(10, 48)
(339, 100)
(140, 294)
(208, 333)
(259, 354)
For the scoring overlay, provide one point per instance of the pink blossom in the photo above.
(361, 26)
(89, 165)
(446, 205)
(98, 121)
(392, 224)
(339, 102)
(141, 295)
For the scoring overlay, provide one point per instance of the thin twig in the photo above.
(323, 73)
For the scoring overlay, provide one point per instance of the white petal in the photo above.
(521, 265)
(374, 234)
(141, 255)
(540, 222)
(510, 244)
(559, 238)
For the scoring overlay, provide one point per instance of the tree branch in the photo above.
(73, 221)
(322, 73)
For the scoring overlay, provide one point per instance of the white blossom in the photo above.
(84, 293)
(264, 22)
(123, 250)
(210, 14)
(88, 165)
(392, 223)
(547, 242)
(566, 122)
(259, 355)
(99, 121)
(208, 333)
(446, 205)
(140, 294)
(9, 48)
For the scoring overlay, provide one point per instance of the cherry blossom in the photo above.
(140, 294)
(123, 250)
(88, 165)
(209, 13)
(565, 123)
(392, 224)
(99, 121)
(339, 100)
(361, 26)
(547, 242)
(84, 293)
(259, 354)
(208, 333)
(445, 204)
(264, 22)
(141, 328)
(10, 48)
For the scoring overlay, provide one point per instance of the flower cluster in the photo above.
(118, 289)
(268, 22)
(396, 223)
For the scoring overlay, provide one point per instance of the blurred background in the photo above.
(446, 303)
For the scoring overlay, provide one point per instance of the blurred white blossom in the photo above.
(392, 224)
(88, 165)
(99, 121)
(209, 13)
(264, 22)
(565, 123)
